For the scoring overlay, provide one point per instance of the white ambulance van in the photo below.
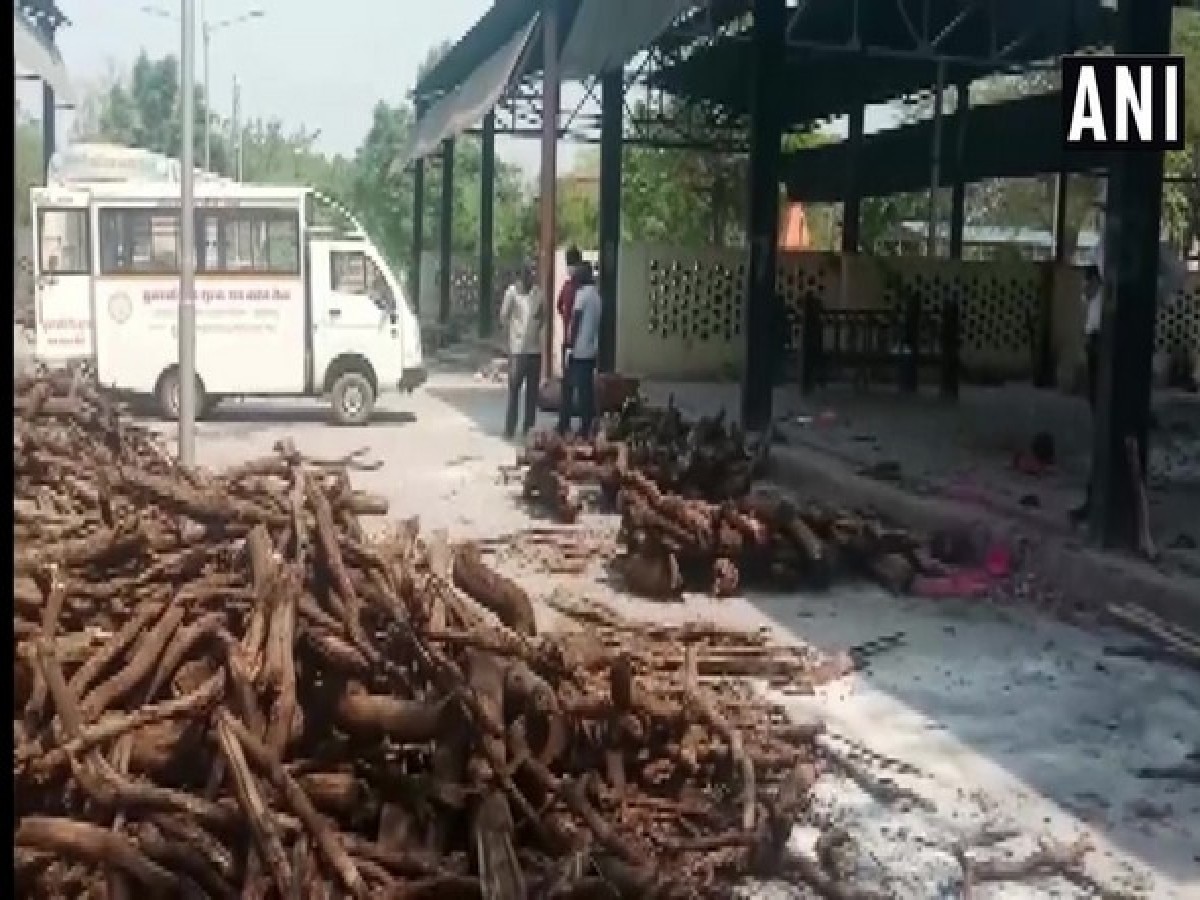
(285, 307)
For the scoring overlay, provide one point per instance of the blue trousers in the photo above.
(578, 396)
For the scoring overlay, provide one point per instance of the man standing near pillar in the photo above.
(1170, 276)
(521, 316)
(582, 346)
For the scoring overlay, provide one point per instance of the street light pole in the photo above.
(237, 129)
(206, 32)
(187, 238)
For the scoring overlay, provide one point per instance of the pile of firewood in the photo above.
(689, 516)
(701, 460)
(224, 687)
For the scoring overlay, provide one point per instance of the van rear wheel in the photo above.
(353, 399)
(167, 395)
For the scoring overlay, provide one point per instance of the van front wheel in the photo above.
(167, 394)
(353, 399)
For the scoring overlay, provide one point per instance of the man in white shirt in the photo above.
(522, 316)
(582, 345)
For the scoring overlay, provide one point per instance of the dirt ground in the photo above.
(1004, 727)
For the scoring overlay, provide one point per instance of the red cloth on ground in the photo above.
(968, 583)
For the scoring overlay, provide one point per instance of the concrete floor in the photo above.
(1011, 721)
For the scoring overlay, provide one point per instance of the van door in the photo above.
(62, 272)
(353, 313)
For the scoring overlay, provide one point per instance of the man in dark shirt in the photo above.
(565, 304)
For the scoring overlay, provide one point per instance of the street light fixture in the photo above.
(207, 29)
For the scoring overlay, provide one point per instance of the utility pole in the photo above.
(237, 129)
(207, 36)
(207, 33)
(187, 239)
(935, 162)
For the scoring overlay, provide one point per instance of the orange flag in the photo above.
(793, 232)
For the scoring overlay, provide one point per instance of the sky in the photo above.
(323, 64)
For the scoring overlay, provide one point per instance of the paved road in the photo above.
(440, 449)
(1013, 721)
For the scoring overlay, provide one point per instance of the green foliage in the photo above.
(578, 218)
(1181, 200)
(382, 192)
(669, 196)
(699, 198)
(677, 196)
(142, 111)
(880, 215)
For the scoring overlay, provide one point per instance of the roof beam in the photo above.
(897, 160)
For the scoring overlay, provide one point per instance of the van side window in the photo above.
(63, 238)
(356, 273)
(348, 272)
(139, 242)
(258, 240)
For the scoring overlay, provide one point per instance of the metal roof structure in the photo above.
(495, 28)
(498, 62)
(690, 58)
(842, 54)
(793, 63)
(35, 23)
(45, 14)
(897, 160)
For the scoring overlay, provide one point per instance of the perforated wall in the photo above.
(701, 299)
(680, 311)
(801, 274)
(695, 300)
(1179, 320)
(1000, 306)
(464, 289)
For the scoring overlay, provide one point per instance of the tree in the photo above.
(383, 192)
(879, 216)
(695, 196)
(143, 111)
(382, 187)
(271, 155)
(579, 209)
